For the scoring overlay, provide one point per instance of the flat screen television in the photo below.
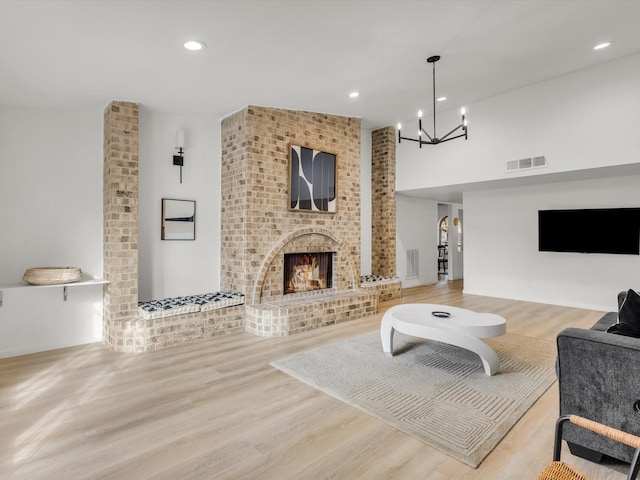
(605, 230)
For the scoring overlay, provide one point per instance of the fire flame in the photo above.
(306, 276)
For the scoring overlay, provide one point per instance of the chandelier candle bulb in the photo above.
(180, 139)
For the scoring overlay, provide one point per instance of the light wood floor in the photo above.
(218, 410)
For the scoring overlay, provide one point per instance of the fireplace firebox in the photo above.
(304, 272)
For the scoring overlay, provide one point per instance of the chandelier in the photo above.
(433, 139)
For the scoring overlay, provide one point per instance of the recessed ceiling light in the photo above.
(441, 99)
(354, 94)
(602, 45)
(195, 45)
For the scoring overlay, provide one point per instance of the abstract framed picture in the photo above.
(312, 180)
(178, 219)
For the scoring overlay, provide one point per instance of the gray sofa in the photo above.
(599, 378)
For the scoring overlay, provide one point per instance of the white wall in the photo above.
(365, 202)
(416, 228)
(172, 268)
(456, 263)
(51, 215)
(583, 120)
(501, 245)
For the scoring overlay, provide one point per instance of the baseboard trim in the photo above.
(547, 301)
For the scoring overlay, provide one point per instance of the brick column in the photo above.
(235, 192)
(383, 200)
(120, 191)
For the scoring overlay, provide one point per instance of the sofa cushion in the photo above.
(205, 302)
(621, 297)
(215, 300)
(624, 329)
(605, 322)
(166, 307)
(630, 310)
(628, 317)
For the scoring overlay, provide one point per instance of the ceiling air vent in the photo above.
(526, 163)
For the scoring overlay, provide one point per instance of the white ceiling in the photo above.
(303, 54)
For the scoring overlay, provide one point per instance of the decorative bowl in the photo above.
(52, 275)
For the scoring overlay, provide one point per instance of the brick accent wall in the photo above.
(383, 201)
(255, 202)
(120, 190)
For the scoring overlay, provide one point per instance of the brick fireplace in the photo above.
(258, 229)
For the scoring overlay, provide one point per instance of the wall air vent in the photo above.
(526, 163)
(413, 264)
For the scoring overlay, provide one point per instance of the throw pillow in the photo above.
(630, 309)
(628, 316)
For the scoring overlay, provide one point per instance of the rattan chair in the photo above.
(559, 470)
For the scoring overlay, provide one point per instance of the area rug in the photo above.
(437, 393)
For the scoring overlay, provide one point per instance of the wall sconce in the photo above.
(179, 158)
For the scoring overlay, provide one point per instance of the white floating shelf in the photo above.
(88, 281)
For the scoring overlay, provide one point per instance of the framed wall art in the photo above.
(312, 180)
(178, 219)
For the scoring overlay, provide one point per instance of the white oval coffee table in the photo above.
(462, 328)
